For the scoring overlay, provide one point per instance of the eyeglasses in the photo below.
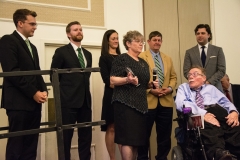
(32, 24)
(194, 74)
(139, 42)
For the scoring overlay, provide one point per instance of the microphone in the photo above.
(154, 73)
(154, 76)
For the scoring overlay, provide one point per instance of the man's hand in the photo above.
(40, 97)
(155, 92)
(160, 91)
(164, 91)
(132, 79)
(210, 118)
(232, 119)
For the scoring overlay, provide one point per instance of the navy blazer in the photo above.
(74, 87)
(18, 92)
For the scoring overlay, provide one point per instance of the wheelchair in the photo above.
(189, 142)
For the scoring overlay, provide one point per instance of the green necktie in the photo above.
(29, 47)
(80, 58)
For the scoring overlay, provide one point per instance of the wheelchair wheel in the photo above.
(177, 153)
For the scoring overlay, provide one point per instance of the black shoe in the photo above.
(222, 154)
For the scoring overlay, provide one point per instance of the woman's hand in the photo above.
(132, 79)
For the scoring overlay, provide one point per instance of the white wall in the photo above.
(119, 15)
(225, 20)
(126, 15)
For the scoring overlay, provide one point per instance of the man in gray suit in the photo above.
(208, 56)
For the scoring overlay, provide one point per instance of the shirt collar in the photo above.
(21, 35)
(200, 47)
(200, 88)
(75, 47)
(229, 88)
(154, 54)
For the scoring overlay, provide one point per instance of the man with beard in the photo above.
(208, 56)
(74, 90)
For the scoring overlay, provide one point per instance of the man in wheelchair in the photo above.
(221, 132)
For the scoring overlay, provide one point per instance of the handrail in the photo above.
(54, 73)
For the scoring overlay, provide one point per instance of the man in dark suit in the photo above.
(232, 91)
(208, 56)
(74, 90)
(22, 96)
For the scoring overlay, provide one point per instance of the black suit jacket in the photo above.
(74, 87)
(236, 96)
(18, 92)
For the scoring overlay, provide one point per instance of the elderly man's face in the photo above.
(196, 78)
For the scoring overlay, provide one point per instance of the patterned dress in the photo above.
(130, 102)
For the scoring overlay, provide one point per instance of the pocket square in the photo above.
(213, 56)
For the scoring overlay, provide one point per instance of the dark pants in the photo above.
(223, 137)
(79, 115)
(162, 116)
(22, 147)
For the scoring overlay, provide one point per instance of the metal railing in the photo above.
(58, 128)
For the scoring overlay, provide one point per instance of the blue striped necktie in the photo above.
(199, 99)
(80, 58)
(159, 71)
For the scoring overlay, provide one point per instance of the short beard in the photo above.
(76, 39)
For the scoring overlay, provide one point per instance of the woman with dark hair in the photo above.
(110, 50)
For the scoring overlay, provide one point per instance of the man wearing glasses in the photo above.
(221, 132)
(207, 56)
(160, 100)
(22, 96)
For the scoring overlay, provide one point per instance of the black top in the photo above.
(105, 64)
(18, 91)
(129, 94)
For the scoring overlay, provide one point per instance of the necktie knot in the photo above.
(203, 47)
(226, 91)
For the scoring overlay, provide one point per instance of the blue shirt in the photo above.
(211, 95)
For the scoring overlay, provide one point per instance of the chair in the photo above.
(189, 142)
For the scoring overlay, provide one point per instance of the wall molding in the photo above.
(51, 5)
(57, 24)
